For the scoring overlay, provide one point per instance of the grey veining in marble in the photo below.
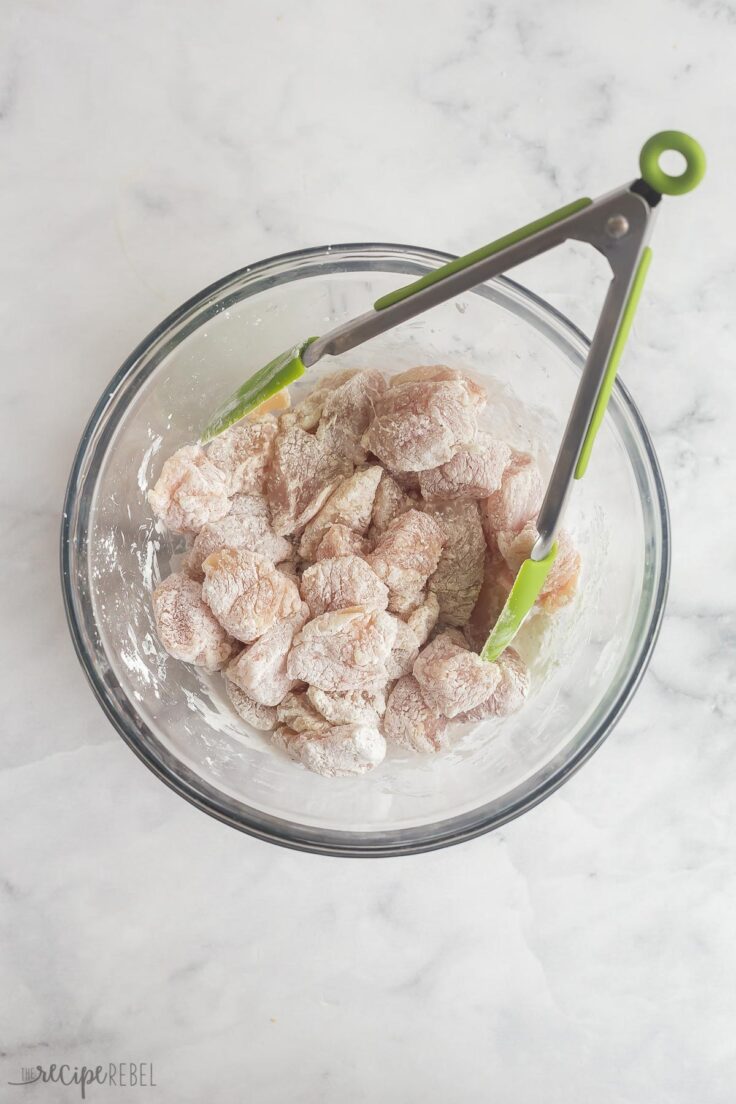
(585, 952)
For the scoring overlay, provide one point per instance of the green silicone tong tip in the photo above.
(277, 374)
(528, 584)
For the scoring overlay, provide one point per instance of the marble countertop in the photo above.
(584, 952)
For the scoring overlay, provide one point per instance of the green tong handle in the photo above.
(532, 574)
(617, 349)
(665, 184)
(480, 254)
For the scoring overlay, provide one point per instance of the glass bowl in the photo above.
(585, 663)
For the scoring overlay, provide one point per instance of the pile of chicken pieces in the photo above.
(347, 559)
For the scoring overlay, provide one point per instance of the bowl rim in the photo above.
(289, 834)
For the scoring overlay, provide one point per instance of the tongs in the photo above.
(619, 225)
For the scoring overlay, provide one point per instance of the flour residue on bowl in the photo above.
(145, 464)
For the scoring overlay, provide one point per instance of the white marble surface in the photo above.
(585, 952)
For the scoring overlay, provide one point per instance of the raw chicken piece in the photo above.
(260, 669)
(423, 619)
(459, 575)
(350, 707)
(248, 525)
(453, 680)
(342, 582)
(510, 693)
(302, 476)
(344, 750)
(297, 713)
(186, 627)
(189, 492)
(475, 471)
(247, 593)
(436, 373)
(421, 425)
(242, 454)
(350, 504)
(497, 582)
(451, 635)
(262, 717)
(408, 552)
(346, 650)
(341, 541)
(405, 604)
(390, 502)
(285, 740)
(404, 652)
(346, 413)
(562, 581)
(337, 378)
(307, 413)
(409, 722)
(273, 405)
(517, 500)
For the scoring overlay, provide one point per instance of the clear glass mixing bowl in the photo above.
(585, 664)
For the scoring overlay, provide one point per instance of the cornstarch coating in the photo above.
(346, 561)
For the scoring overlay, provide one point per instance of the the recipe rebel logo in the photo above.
(119, 1075)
